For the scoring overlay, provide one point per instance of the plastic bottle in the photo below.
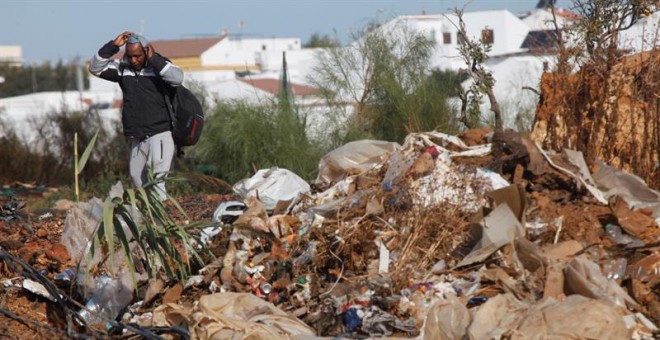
(65, 276)
(107, 301)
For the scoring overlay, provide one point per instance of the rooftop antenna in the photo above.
(241, 24)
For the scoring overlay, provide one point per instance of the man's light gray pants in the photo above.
(156, 152)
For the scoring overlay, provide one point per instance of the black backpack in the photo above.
(186, 115)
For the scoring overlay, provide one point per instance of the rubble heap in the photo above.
(437, 238)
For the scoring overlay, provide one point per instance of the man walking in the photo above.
(143, 76)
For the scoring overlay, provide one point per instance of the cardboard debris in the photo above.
(514, 197)
(580, 176)
(636, 223)
(632, 189)
(500, 227)
(562, 251)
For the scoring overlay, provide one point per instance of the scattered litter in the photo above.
(420, 240)
(37, 288)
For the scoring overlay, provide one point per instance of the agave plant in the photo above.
(137, 222)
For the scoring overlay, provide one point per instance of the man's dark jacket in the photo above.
(144, 111)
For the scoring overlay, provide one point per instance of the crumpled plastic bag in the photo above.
(576, 317)
(446, 320)
(79, 226)
(378, 323)
(233, 316)
(272, 186)
(584, 277)
(360, 155)
(496, 317)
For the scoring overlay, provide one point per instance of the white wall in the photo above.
(208, 77)
(541, 19)
(235, 89)
(643, 36)
(300, 63)
(246, 51)
(509, 31)
(19, 111)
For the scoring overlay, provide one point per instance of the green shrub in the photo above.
(241, 137)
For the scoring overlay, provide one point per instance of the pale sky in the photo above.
(69, 29)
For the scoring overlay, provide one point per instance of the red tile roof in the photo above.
(567, 14)
(273, 86)
(180, 48)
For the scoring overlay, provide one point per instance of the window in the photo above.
(446, 38)
(263, 47)
(488, 36)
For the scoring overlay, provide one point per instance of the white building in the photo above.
(643, 36)
(12, 54)
(31, 110)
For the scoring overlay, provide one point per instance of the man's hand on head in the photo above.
(121, 39)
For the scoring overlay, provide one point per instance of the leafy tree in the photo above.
(39, 77)
(317, 40)
(386, 73)
(474, 54)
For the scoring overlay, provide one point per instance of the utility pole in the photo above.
(79, 81)
(34, 77)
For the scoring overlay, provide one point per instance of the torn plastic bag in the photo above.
(79, 225)
(378, 323)
(446, 320)
(582, 175)
(631, 188)
(361, 155)
(228, 211)
(584, 277)
(576, 317)
(233, 316)
(496, 317)
(272, 186)
(108, 299)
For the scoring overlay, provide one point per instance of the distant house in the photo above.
(260, 90)
(12, 54)
(500, 28)
(542, 34)
(212, 59)
(34, 108)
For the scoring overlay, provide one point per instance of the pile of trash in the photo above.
(434, 239)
